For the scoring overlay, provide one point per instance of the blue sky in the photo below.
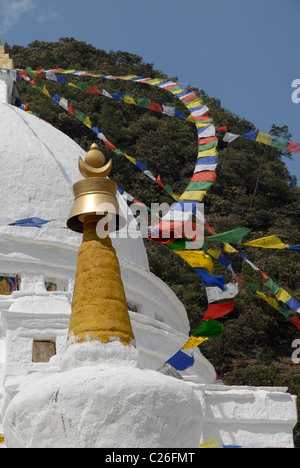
(243, 53)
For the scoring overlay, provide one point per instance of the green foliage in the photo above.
(254, 189)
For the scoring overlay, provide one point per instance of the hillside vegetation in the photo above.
(254, 189)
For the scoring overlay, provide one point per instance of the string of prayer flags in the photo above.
(181, 361)
(214, 311)
(264, 138)
(80, 116)
(206, 131)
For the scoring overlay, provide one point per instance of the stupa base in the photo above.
(95, 402)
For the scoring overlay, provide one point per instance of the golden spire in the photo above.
(5, 61)
(99, 307)
(95, 194)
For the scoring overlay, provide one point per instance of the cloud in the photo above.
(11, 12)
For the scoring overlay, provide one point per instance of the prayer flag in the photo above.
(295, 320)
(273, 286)
(234, 236)
(294, 147)
(194, 195)
(283, 295)
(229, 137)
(30, 222)
(198, 186)
(216, 294)
(181, 361)
(293, 247)
(209, 329)
(270, 242)
(209, 443)
(293, 304)
(218, 310)
(210, 279)
(205, 132)
(193, 342)
(250, 135)
(279, 143)
(204, 176)
(204, 153)
(197, 259)
(264, 138)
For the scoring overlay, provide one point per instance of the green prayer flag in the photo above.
(209, 328)
(195, 186)
(144, 102)
(208, 146)
(279, 143)
(83, 86)
(273, 286)
(253, 287)
(284, 312)
(80, 116)
(234, 236)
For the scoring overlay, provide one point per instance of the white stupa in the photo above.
(39, 166)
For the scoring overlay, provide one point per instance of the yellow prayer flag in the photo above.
(193, 195)
(193, 342)
(45, 91)
(209, 443)
(87, 122)
(197, 259)
(130, 158)
(214, 253)
(264, 138)
(129, 100)
(270, 300)
(2, 439)
(283, 295)
(72, 85)
(128, 77)
(206, 153)
(228, 248)
(195, 103)
(269, 242)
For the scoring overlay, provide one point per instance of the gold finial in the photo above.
(5, 61)
(95, 194)
(93, 166)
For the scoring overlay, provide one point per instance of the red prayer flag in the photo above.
(295, 320)
(201, 117)
(94, 90)
(110, 145)
(71, 110)
(218, 310)
(222, 129)
(205, 141)
(294, 147)
(204, 176)
(155, 106)
(159, 182)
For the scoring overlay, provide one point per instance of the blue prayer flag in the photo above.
(181, 361)
(30, 222)
(211, 280)
(250, 135)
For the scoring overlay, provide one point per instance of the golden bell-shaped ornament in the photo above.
(95, 194)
